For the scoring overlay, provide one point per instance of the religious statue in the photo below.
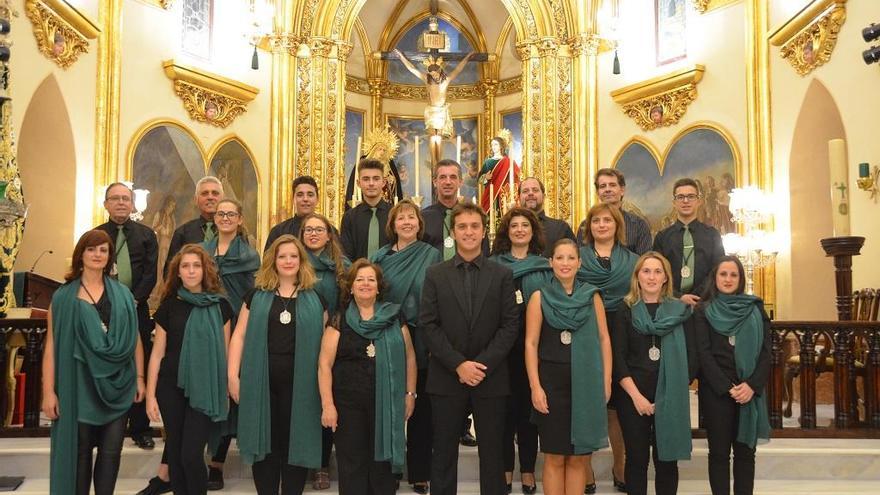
(380, 145)
(499, 176)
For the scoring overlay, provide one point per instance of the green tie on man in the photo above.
(362, 230)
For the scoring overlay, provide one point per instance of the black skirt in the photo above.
(554, 429)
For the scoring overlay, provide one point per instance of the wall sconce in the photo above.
(140, 204)
(869, 180)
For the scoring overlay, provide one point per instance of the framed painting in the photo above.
(233, 164)
(670, 30)
(512, 121)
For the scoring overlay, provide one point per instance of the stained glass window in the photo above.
(197, 19)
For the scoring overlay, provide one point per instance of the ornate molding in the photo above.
(61, 31)
(207, 97)
(357, 85)
(407, 92)
(589, 44)
(509, 86)
(809, 38)
(703, 6)
(670, 93)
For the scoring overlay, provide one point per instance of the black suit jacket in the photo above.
(189, 233)
(143, 251)
(434, 215)
(708, 249)
(554, 229)
(487, 338)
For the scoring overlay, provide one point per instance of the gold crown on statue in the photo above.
(381, 136)
(430, 60)
(507, 136)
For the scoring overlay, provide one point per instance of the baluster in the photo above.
(808, 379)
(777, 371)
(843, 367)
(872, 379)
(32, 365)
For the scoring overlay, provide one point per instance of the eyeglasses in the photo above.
(314, 230)
(686, 197)
(119, 199)
(232, 215)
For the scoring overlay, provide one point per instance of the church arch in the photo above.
(476, 40)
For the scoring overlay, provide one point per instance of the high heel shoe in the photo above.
(529, 489)
(591, 487)
(509, 488)
(621, 486)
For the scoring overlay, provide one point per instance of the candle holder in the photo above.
(870, 182)
(417, 200)
(756, 248)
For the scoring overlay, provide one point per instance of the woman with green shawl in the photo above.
(568, 358)
(367, 379)
(654, 361)
(325, 255)
(733, 342)
(273, 363)
(92, 370)
(518, 245)
(607, 264)
(403, 262)
(187, 374)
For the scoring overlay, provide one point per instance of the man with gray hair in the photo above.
(209, 192)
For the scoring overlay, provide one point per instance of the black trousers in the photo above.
(641, 447)
(107, 439)
(721, 421)
(359, 473)
(138, 422)
(326, 447)
(517, 424)
(274, 471)
(418, 435)
(186, 436)
(447, 413)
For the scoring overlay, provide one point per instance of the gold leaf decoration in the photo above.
(662, 101)
(207, 97)
(509, 86)
(357, 85)
(703, 6)
(808, 39)
(62, 32)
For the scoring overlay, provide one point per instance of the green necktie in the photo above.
(687, 264)
(448, 243)
(209, 231)
(373, 234)
(123, 260)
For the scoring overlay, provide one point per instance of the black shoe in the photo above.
(590, 489)
(215, 479)
(144, 441)
(468, 440)
(621, 486)
(509, 488)
(156, 486)
(420, 488)
(530, 489)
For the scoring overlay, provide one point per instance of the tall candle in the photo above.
(512, 188)
(458, 149)
(417, 165)
(356, 195)
(839, 187)
(491, 207)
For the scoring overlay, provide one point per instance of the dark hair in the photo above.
(467, 207)
(210, 278)
(91, 238)
(333, 244)
(711, 288)
(348, 282)
(241, 231)
(565, 241)
(370, 164)
(502, 243)
(111, 186)
(392, 217)
(447, 162)
(687, 181)
(430, 78)
(540, 184)
(304, 179)
(610, 172)
(619, 228)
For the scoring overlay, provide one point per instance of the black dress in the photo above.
(554, 371)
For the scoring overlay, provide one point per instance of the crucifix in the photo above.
(438, 121)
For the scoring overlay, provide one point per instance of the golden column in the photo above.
(107, 99)
(377, 84)
(282, 118)
(490, 126)
(585, 135)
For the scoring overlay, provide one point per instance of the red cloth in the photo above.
(501, 181)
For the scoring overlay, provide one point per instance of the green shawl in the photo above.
(589, 419)
(614, 282)
(672, 425)
(202, 369)
(327, 287)
(740, 316)
(384, 330)
(254, 417)
(237, 268)
(95, 377)
(533, 271)
(405, 273)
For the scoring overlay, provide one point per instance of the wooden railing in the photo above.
(30, 334)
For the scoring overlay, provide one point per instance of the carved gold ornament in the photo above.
(809, 38)
(703, 6)
(207, 97)
(409, 92)
(62, 32)
(662, 101)
(381, 137)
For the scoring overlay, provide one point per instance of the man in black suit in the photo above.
(137, 252)
(362, 231)
(209, 192)
(531, 196)
(305, 199)
(469, 318)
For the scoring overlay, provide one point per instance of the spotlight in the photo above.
(871, 55)
(871, 32)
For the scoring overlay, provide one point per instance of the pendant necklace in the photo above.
(685, 269)
(731, 340)
(94, 303)
(371, 350)
(285, 316)
(654, 351)
(565, 337)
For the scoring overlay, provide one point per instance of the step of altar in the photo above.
(839, 462)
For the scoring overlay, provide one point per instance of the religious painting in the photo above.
(512, 121)
(670, 30)
(408, 127)
(457, 42)
(703, 153)
(354, 129)
(233, 164)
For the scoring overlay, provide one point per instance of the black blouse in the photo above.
(104, 309)
(172, 315)
(280, 337)
(550, 346)
(354, 372)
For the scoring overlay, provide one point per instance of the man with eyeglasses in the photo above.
(209, 192)
(137, 252)
(305, 201)
(692, 247)
(610, 186)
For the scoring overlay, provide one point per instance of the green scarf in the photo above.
(237, 268)
(740, 316)
(405, 272)
(254, 417)
(95, 377)
(614, 282)
(533, 271)
(589, 419)
(202, 370)
(384, 330)
(327, 286)
(672, 425)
